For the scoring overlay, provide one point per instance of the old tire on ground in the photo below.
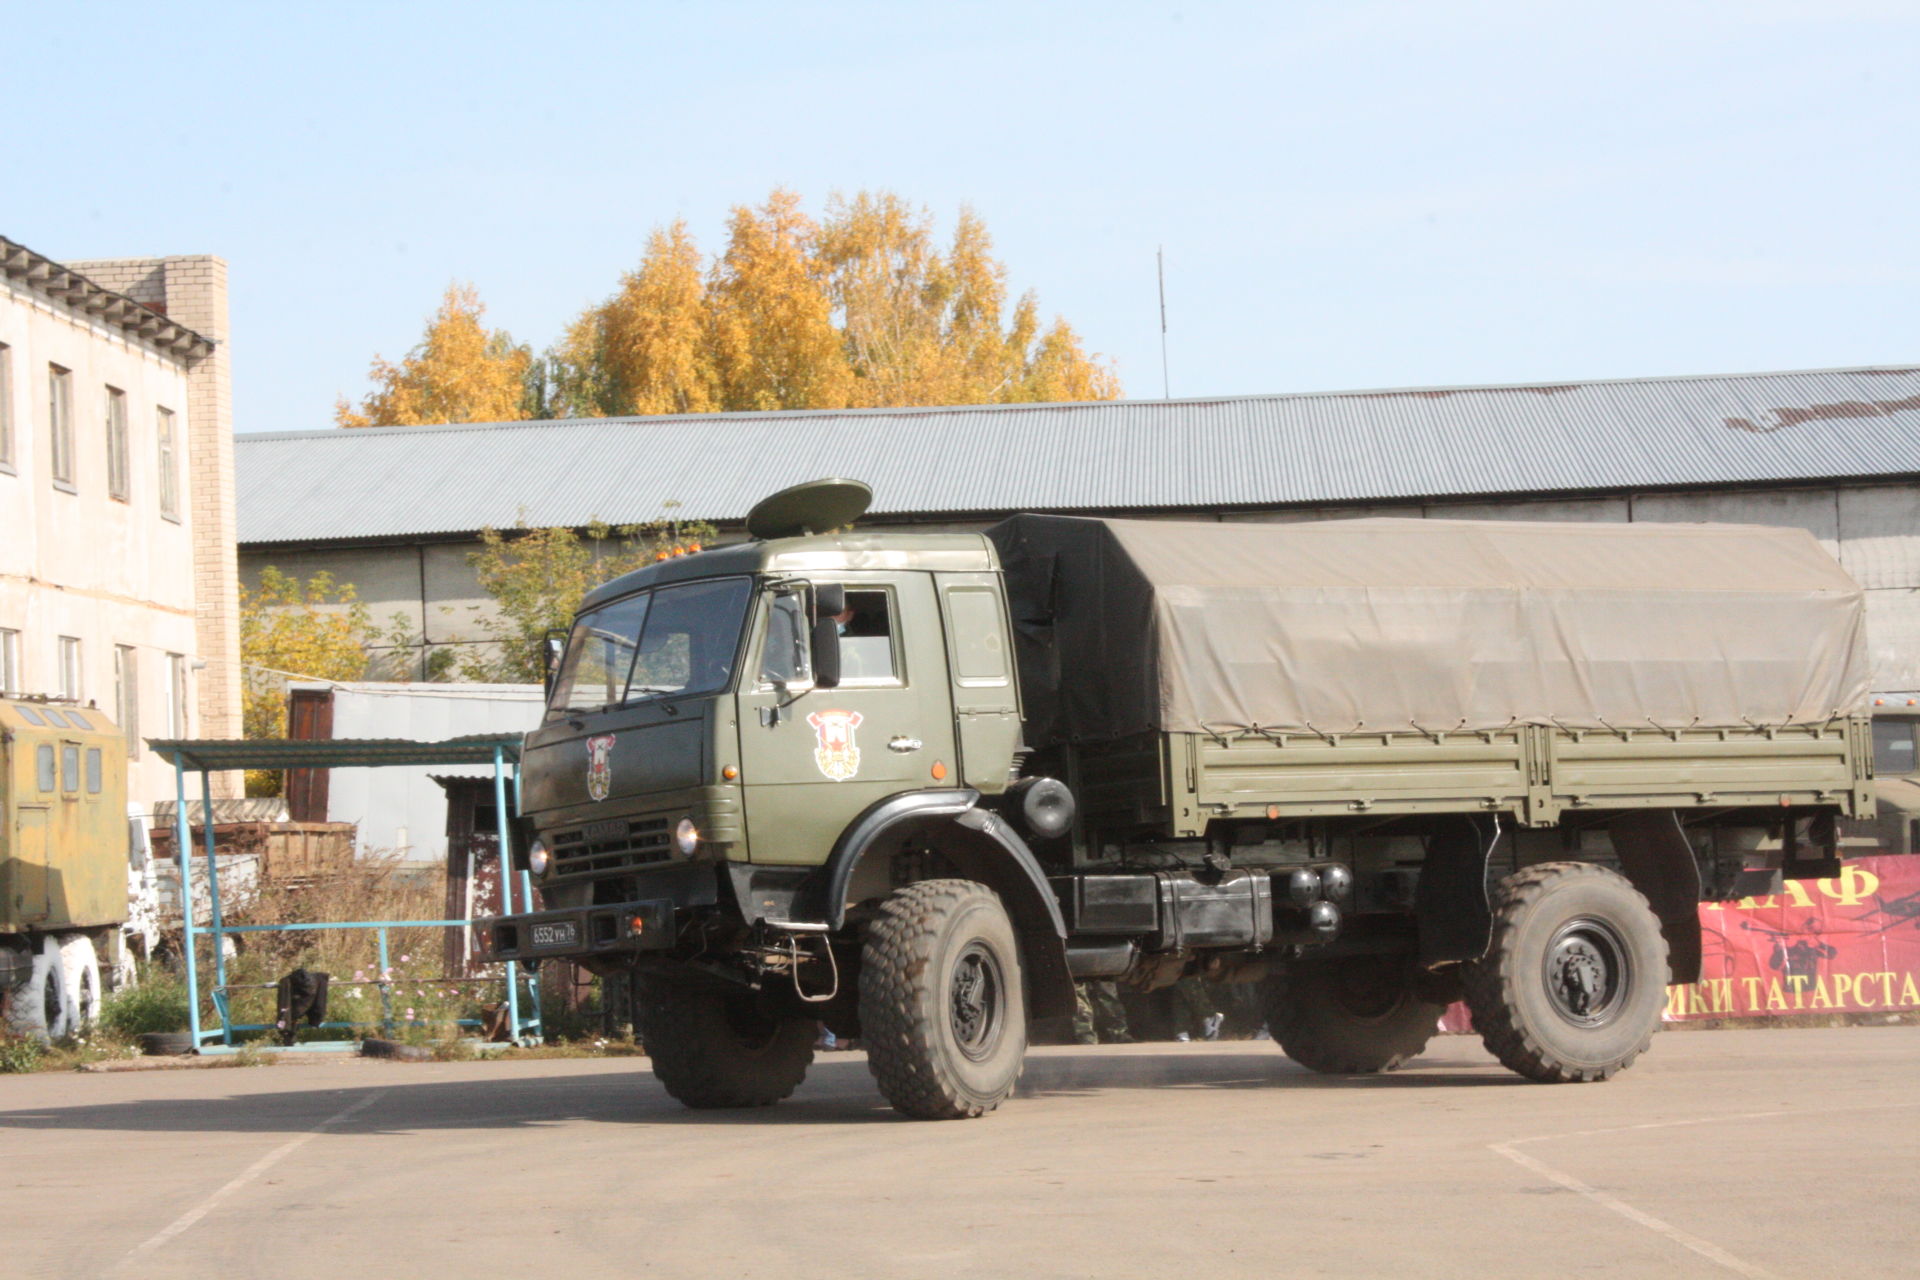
(80, 971)
(165, 1044)
(1572, 986)
(943, 1012)
(1353, 1016)
(715, 1048)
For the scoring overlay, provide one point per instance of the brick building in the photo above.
(118, 578)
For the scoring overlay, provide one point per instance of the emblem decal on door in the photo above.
(599, 766)
(837, 754)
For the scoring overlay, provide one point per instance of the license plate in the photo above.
(559, 933)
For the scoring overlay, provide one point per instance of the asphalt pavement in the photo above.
(1755, 1153)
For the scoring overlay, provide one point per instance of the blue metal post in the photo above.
(506, 881)
(183, 849)
(219, 933)
(386, 989)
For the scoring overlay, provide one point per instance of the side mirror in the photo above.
(826, 649)
(829, 600)
(551, 648)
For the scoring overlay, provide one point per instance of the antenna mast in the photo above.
(1160, 259)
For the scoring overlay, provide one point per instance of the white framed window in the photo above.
(176, 695)
(119, 483)
(60, 424)
(7, 462)
(169, 462)
(70, 684)
(9, 661)
(126, 695)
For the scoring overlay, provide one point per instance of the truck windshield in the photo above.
(674, 640)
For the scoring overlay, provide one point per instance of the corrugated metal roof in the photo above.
(333, 753)
(1113, 456)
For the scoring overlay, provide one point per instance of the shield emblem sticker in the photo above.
(600, 766)
(836, 752)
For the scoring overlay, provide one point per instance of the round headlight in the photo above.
(539, 861)
(686, 837)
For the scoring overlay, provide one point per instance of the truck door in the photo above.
(812, 759)
(32, 879)
(986, 706)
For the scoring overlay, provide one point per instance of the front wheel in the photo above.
(942, 1010)
(714, 1048)
(1572, 987)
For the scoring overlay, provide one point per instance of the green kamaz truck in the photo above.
(63, 863)
(915, 787)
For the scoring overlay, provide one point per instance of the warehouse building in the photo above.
(118, 573)
(396, 511)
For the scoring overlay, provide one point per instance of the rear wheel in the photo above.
(942, 1009)
(38, 1008)
(1353, 1016)
(1572, 987)
(713, 1048)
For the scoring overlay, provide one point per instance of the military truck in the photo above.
(63, 862)
(915, 786)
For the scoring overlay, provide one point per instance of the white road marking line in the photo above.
(1705, 1248)
(185, 1222)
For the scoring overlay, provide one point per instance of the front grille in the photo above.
(603, 847)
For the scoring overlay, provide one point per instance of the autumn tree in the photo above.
(461, 371)
(536, 579)
(293, 630)
(771, 324)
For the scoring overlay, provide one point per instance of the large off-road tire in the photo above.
(80, 971)
(1351, 1016)
(1572, 986)
(943, 1010)
(713, 1048)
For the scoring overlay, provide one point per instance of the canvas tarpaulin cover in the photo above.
(1125, 626)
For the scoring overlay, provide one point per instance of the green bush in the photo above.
(158, 1002)
(19, 1055)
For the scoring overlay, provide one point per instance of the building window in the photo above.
(118, 485)
(70, 668)
(169, 465)
(9, 662)
(176, 695)
(126, 696)
(6, 408)
(60, 424)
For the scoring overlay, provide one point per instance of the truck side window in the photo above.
(1893, 747)
(43, 758)
(93, 771)
(868, 654)
(69, 766)
(784, 658)
(979, 636)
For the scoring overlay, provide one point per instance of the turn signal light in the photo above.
(729, 773)
(637, 925)
(939, 770)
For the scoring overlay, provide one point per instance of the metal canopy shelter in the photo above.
(207, 756)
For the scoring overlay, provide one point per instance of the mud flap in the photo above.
(1657, 858)
(1450, 903)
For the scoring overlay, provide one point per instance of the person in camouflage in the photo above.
(1098, 1015)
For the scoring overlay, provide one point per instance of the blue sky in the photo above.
(1350, 194)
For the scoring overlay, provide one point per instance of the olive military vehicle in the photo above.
(63, 862)
(916, 786)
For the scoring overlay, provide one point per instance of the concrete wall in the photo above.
(1873, 529)
(81, 563)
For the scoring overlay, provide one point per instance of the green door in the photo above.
(812, 759)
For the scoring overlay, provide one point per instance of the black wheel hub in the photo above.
(978, 1007)
(1587, 972)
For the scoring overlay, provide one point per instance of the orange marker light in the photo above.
(939, 770)
(638, 924)
(729, 773)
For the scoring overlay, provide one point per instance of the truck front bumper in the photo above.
(626, 927)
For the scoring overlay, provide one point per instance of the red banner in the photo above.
(1846, 945)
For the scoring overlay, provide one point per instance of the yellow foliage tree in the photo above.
(771, 324)
(294, 630)
(460, 372)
